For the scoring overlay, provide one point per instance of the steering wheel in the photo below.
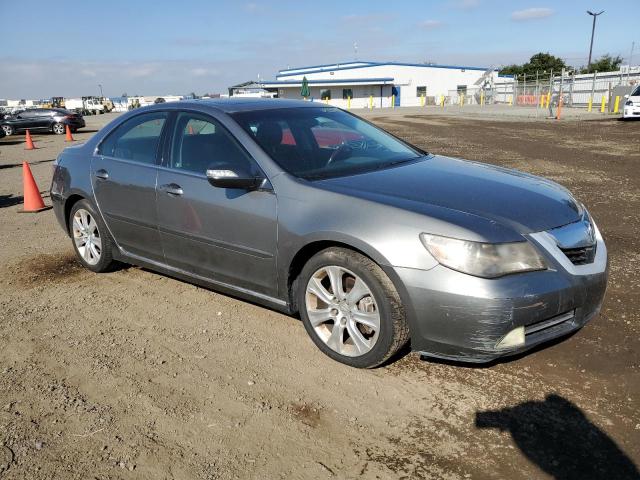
(341, 153)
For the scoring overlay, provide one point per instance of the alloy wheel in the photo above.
(58, 128)
(87, 237)
(342, 311)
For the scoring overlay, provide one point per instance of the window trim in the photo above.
(158, 158)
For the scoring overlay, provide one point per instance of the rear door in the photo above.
(25, 120)
(123, 173)
(227, 235)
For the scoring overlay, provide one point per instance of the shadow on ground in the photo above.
(556, 436)
(10, 200)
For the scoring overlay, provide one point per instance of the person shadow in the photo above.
(557, 436)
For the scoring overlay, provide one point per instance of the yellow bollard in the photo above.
(542, 97)
(590, 105)
(602, 104)
(548, 100)
(616, 106)
(442, 101)
(481, 99)
(370, 102)
(348, 103)
(393, 101)
(422, 101)
(510, 99)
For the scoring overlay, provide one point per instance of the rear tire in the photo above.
(91, 240)
(8, 130)
(362, 324)
(58, 128)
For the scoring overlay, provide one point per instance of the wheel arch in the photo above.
(312, 247)
(68, 205)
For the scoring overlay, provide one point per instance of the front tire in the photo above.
(8, 130)
(58, 128)
(91, 240)
(351, 309)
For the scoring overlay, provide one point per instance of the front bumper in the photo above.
(460, 317)
(631, 111)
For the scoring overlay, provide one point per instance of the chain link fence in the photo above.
(597, 91)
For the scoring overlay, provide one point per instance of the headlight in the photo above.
(629, 103)
(488, 260)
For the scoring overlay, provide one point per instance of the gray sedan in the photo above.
(309, 209)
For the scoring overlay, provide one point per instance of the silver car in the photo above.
(309, 209)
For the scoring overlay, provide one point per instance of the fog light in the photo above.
(512, 339)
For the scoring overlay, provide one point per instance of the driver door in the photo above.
(224, 234)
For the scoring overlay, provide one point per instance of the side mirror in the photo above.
(236, 178)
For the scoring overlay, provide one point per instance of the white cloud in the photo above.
(465, 4)
(431, 24)
(252, 7)
(531, 14)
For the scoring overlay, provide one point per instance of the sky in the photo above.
(69, 48)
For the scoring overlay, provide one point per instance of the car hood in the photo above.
(515, 200)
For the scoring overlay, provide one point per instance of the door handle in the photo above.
(102, 174)
(172, 189)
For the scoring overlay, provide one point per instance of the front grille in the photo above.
(558, 321)
(580, 256)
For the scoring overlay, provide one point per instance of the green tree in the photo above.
(540, 62)
(605, 63)
(304, 90)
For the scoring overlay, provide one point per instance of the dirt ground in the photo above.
(136, 375)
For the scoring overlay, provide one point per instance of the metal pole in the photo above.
(593, 29)
(593, 86)
(633, 44)
(100, 85)
(573, 81)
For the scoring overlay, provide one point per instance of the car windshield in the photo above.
(323, 142)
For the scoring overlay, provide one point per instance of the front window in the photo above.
(201, 143)
(323, 142)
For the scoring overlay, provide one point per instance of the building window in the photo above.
(420, 91)
(325, 94)
(462, 89)
(347, 93)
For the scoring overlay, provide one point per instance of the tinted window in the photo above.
(27, 114)
(636, 93)
(136, 139)
(326, 141)
(201, 143)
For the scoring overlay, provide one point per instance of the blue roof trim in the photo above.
(345, 80)
(325, 65)
(322, 69)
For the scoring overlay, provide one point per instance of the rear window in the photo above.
(135, 139)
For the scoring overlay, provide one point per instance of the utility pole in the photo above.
(100, 85)
(593, 29)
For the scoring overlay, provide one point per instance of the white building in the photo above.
(375, 84)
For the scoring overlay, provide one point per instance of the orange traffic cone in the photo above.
(69, 137)
(30, 145)
(32, 199)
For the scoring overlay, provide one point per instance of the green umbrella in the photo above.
(304, 91)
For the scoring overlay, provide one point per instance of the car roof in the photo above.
(232, 105)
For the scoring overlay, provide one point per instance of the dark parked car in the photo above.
(38, 119)
(373, 241)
